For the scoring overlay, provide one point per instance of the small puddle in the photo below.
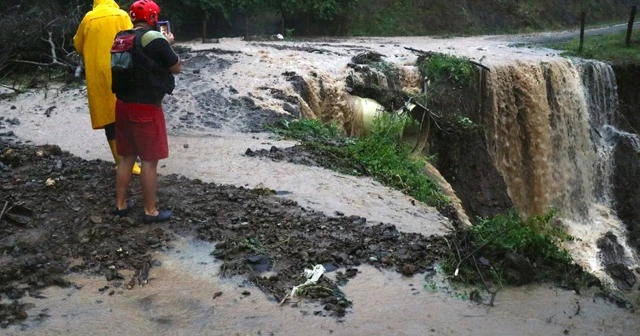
(182, 298)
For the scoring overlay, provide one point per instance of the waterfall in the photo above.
(551, 132)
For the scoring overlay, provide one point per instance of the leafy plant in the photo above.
(391, 162)
(306, 129)
(509, 250)
(379, 154)
(289, 34)
(441, 68)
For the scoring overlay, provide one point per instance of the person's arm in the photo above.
(157, 47)
(176, 68)
(78, 39)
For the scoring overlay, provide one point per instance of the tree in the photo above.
(329, 9)
(248, 8)
(285, 8)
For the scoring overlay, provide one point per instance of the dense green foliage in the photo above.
(509, 250)
(610, 48)
(378, 154)
(444, 68)
(307, 130)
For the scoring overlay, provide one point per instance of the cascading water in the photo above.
(552, 135)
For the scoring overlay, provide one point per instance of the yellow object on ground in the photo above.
(364, 111)
(117, 158)
(93, 42)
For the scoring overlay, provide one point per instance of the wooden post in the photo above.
(630, 26)
(583, 17)
(204, 28)
(246, 26)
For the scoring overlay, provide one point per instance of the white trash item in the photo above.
(312, 275)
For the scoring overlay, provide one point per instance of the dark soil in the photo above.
(51, 229)
(310, 154)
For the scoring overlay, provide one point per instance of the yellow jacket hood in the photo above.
(108, 3)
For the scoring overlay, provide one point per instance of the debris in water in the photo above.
(312, 275)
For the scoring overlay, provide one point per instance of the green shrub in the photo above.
(509, 250)
(379, 154)
(306, 129)
(444, 68)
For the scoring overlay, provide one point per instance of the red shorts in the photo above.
(141, 131)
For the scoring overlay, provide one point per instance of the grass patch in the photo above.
(509, 250)
(445, 68)
(307, 130)
(379, 154)
(610, 48)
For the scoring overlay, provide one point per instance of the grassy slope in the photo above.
(610, 48)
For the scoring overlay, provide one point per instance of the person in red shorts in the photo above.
(140, 125)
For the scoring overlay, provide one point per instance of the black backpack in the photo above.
(132, 69)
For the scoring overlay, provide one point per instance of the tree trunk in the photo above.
(246, 26)
(204, 30)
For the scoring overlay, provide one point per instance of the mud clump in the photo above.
(310, 154)
(57, 221)
(13, 312)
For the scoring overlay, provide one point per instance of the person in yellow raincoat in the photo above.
(93, 42)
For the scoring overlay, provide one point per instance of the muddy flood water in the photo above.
(185, 294)
(180, 299)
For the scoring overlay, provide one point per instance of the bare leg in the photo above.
(149, 180)
(123, 178)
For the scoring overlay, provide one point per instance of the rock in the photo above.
(614, 260)
(408, 270)
(113, 274)
(518, 268)
(626, 157)
(96, 219)
(622, 275)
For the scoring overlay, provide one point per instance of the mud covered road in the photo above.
(57, 221)
(224, 264)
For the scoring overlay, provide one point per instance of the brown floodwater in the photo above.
(179, 300)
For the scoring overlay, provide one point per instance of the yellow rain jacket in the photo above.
(93, 42)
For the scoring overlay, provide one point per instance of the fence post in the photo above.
(630, 26)
(583, 17)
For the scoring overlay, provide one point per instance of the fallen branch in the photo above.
(54, 55)
(12, 88)
(6, 203)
